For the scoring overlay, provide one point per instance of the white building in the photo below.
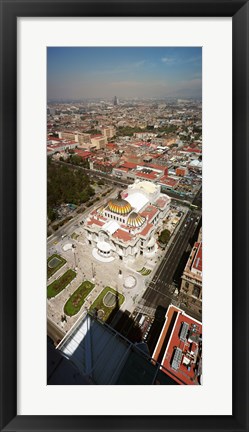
(125, 227)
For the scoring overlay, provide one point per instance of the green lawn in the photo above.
(51, 271)
(75, 302)
(74, 236)
(60, 284)
(98, 303)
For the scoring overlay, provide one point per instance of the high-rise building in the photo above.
(115, 100)
(94, 353)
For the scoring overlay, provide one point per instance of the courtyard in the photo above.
(129, 278)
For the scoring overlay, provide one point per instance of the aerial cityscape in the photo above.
(124, 216)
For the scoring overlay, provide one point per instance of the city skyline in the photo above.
(139, 72)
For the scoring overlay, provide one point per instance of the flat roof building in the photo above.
(179, 347)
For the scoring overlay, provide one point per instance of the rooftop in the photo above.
(137, 200)
(128, 165)
(146, 186)
(122, 235)
(180, 347)
(152, 175)
(161, 202)
(168, 181)
(149, 212)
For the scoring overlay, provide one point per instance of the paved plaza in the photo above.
(74, 248)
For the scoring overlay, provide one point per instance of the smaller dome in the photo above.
(119, 206)
(135, 220)
(103, 246)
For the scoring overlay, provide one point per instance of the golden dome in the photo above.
(119, 206)
(135, 220)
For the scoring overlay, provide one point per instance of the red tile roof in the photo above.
(155, 166)
(161, 202)
(185, 374)
(151, 175)
(122, 169)
(149, 211)
(111, 145)
(168, 181)
(129, 165)
(122, 235)
(95, 222)
(165, 328)
(191, 150)
(83, 154)
(146, 229)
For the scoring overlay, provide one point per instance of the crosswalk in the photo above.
(161, 287)
(146, 310)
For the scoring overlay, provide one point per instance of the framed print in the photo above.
(124, 288)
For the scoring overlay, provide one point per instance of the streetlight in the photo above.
(74, 252)
(93, 272)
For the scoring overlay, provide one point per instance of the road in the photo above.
(198, 199)
(160, 289)
(68, 227)
(105, 176)
(124, 183)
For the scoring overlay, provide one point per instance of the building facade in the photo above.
(191, 285)
(124, 227)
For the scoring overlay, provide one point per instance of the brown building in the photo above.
(191, 286)
(181, 171)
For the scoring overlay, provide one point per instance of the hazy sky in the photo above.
(76, 73)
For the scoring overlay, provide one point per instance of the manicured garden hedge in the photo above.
(144, 271)
(99, 304)
(60, 284)
(51, 271)
(75, 302)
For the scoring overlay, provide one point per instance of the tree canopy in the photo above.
(164, 236)
(66, 185)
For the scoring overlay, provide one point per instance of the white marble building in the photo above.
(125, 227)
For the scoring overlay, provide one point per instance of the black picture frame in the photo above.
(10, 11)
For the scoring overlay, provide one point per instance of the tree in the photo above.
(66, 184)
(164, 236)
(52, 214)
(75, 159)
